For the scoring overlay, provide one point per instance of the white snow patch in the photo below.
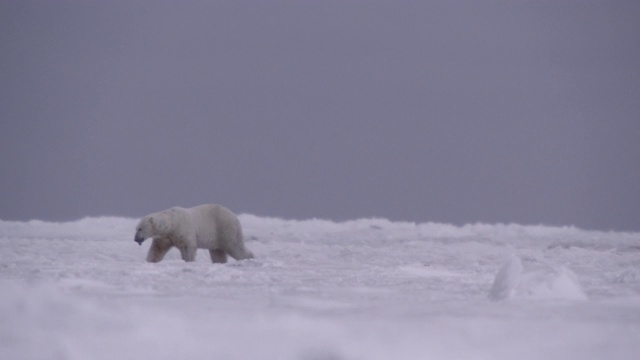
(319, 290)
(628, 276)
(420, 270)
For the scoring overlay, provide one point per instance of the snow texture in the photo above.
(319, 290)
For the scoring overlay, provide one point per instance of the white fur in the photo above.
(210, 226)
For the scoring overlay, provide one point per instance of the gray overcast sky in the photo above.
(445, 111)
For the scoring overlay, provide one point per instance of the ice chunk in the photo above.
(506, 279)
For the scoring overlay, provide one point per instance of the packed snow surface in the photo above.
(320, 290)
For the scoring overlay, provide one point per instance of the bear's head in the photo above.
(150, 226)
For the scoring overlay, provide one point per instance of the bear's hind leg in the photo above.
(218, 256)
(157, 251)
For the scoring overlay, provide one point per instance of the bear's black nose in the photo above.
(139, 240)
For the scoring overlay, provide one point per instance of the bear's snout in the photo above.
(138, 239)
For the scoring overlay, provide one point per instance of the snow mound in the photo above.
(555, 284)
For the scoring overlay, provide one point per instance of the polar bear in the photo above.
(208, 226)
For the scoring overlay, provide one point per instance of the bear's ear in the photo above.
(151, 220)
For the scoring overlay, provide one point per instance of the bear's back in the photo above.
(212, 215)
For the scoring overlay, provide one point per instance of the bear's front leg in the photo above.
(188, 253)
(159, 248)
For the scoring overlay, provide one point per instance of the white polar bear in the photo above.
(209, 226)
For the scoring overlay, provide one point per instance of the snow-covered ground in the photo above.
(320, 290)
